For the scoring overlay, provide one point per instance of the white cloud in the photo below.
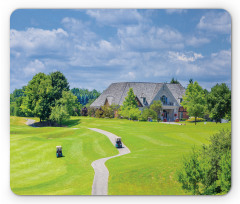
(115, 16)
(185, 57)
(142, 37)
(193, 41)
(78, 29)
(38, 41)
(34, 67)
(216, 22)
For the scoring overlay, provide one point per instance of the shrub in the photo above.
(192, 119)
(148, 113)
(91, 112)
(134, 113)
(98, 113)
(59, 114)
(107, 112)
(208, 170)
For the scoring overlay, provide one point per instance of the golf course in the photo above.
(157, 152)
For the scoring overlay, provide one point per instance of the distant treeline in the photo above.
(85, 96)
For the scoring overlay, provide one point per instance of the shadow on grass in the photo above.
(69, 123)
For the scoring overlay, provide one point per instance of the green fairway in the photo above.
(150, 169)
(35, 168)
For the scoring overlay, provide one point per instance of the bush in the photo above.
(91, 112)
(192, 119)
(98, 113)
(148, 113)
(59, 114)
(134, 113)
(107, 112)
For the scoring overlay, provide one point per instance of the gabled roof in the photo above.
(118, 91)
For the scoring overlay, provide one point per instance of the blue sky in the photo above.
(94, 48)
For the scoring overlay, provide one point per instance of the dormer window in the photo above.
(144, 100)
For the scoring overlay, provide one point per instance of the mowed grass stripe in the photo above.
(35, 170)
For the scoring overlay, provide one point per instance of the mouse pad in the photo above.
(120, 102)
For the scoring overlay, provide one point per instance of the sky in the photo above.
(94, 48)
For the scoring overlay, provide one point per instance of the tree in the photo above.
(59, 84)
(156, 106)
(69, 101)
(59, 114)
(207, 171)
(130, 100)
(128, 104)
(38, 97)
(174, 81)
(191, 173)
(194, 100)
(219, 102)
(191, 81)
(85, 97)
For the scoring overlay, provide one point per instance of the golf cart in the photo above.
(59, 151)
(118, 142)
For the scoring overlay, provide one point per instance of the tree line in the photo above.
(49, 98)
(85, 96)
(199, 102)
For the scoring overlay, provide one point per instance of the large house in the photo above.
(170, 95)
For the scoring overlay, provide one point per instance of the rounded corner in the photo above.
(12, 190)
(14, 11)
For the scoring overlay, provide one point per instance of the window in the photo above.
(144, 100)
(164, 99)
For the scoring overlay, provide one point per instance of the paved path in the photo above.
(30, 122)
(100, 182)
(171, 123)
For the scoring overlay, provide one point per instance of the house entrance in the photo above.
(165, 114)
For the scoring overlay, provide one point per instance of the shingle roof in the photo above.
(117, 92)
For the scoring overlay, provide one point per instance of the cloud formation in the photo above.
(215, 22)
(124, 45)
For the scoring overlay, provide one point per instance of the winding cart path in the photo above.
(100, 182)
(30, 122)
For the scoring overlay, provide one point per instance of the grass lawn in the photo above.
(150, 169)
(35, 168)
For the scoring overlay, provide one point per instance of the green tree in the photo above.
(38, 97)
(156, 106)
(69, 101)
(59, 114)
(174, 81)
(90, 101)
(130, 100)
(194, 100)
(208, 170)
(191, 173)
(219, 102)
(128, 104)
(59, 84)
